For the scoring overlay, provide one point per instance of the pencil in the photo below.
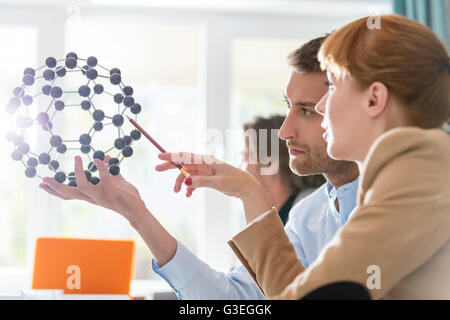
(156, 144)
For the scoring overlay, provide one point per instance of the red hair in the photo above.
(404, 55)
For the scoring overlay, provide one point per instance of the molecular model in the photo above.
(40, 98)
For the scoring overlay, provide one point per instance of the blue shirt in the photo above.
(312, 224)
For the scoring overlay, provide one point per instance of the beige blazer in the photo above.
(397, 240)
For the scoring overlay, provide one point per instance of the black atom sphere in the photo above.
(42, 117)
(98, 89)
(113, 71)
(85, 105)
(85, 139)
(60, 177)
(50, 62)
(23, 148)
(49, 75)
(98, 115)
(84, 91)
(28, 80)
(29, 71)
(55, 141)
(114, 170)
(27, 100)
(128, 140)
(118, 98)
(54, 165)
(85, 149)
(16, 155)
(46, 89)
(61, 72)
(94, 180)
(32, 162)
(127, 151)
(92, 167)
(91, 74)
(135, 134)
(127, 90)
(71, 62)
(128, 101)
(115, 78)
(98, 126)
(119, 143)
(56, 92)
(91, 61)
(30, 172)
(113, 161)
(118, 120)
(136, 108)
(62, 148)
(44, 158)
(99, 155)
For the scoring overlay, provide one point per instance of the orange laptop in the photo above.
(84, 266)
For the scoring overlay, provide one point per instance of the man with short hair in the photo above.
(314, 220)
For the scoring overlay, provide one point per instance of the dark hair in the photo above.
(295, 183)
(304, 59)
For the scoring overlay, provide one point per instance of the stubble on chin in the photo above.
(312, 163)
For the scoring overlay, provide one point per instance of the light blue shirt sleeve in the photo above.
(193, 279)
(295, 239)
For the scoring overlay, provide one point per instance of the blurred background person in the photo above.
(284, 187)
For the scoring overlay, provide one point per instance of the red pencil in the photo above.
(156, 144)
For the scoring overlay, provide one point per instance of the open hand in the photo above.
(112, 192)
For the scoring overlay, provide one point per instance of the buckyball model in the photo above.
(42, 83)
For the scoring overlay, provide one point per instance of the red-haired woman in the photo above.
(388, 99)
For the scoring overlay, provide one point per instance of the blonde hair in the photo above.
(404, 55)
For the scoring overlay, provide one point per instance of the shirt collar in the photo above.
(346, 196)
(351, 187)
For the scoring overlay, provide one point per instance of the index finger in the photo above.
(189, 160)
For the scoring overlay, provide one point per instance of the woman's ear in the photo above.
(377, 99)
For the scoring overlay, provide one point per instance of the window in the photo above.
(19, 51)
(259, 74)
(160, 62)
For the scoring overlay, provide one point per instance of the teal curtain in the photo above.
(432, 13)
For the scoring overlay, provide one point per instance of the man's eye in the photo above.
(330, 85)
(287, 104)
(307, 112)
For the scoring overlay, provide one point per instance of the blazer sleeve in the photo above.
(265, 251)
(399, 226)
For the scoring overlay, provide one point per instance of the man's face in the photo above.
(302, 127)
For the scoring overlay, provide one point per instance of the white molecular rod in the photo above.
(51, 72)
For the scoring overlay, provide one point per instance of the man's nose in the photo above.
(286, 131)
(320, 106)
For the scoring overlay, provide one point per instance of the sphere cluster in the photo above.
(43, 81)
